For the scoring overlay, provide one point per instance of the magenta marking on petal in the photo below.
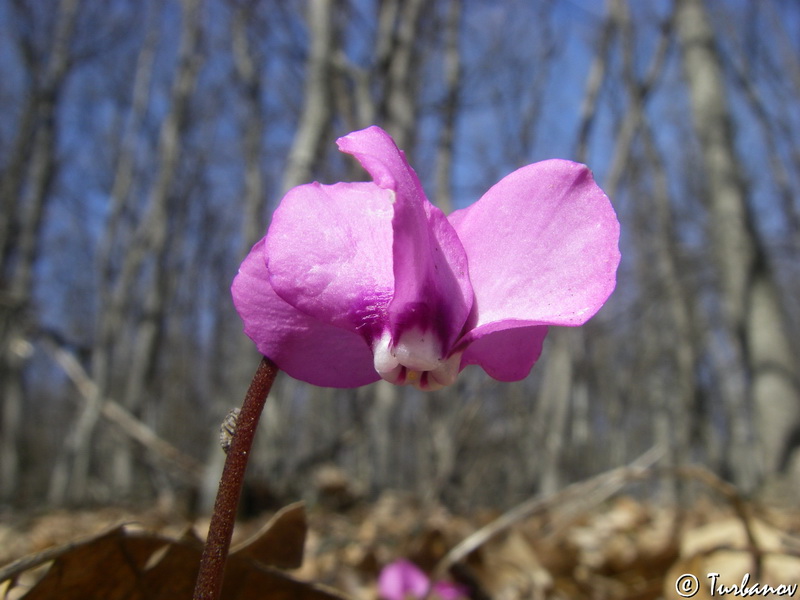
(432, 287)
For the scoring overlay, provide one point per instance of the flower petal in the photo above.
(542, 246)
(506, 354)
(304, 347)
(402, 579)
(432, 291)
(329, 254)
(543, 250)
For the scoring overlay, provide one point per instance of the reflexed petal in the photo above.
(432, 287)
(305, 348)
(542, 246)
(432, 291)
(383, 160)
(329, 251)
(506, 354)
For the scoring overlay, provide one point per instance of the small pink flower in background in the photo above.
(359, 281)
(403, 580)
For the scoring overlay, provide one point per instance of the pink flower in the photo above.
(358, 281)
(403, 580)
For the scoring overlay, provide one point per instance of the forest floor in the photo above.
(589, 541)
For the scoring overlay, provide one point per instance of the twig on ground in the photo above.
(601, 487)
(188, 468)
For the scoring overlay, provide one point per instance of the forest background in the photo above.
(144, 145)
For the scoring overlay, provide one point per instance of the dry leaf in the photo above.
(507, 567)
(108, 566)
(722, 547)
(120, 565)
(280, 542)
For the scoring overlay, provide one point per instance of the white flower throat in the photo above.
(416, 358)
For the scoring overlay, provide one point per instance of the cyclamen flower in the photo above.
(403, 580)
(359, 281)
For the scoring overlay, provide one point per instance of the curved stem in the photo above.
(220, 531)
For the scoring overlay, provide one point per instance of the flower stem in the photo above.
(220, 531)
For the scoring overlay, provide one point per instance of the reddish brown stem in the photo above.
(215, 553)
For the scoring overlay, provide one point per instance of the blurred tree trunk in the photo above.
(555, 398)
(24, 196)
(598, 72)
(316, 115)
(248, 74)
(394, 76)
(396, 52)
(276, 463)
(559, 373)
(71, 467)
(383, 433)
(232, 380)
(141, 277)
(154, 236)
(13, 176)
(670, 336)
(677, 391)
(452, 80)
(14, 354)
(749, 295)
